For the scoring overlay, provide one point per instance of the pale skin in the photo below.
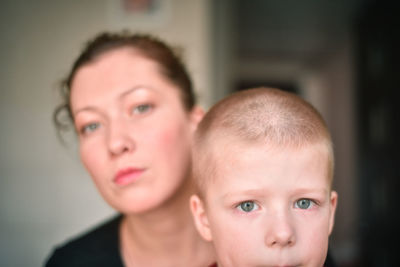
(135, 141)
(267, 206)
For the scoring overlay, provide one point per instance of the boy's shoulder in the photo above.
(97, 247)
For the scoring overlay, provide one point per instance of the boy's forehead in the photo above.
(235, 156)
(224, 146)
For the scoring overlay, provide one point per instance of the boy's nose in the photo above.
(281, 232)
(119, 138)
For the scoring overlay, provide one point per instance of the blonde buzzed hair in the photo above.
(267, 115)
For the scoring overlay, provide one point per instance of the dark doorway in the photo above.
(378, 45)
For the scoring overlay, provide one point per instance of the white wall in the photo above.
(45, 194)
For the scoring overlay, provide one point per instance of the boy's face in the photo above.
(268, 207)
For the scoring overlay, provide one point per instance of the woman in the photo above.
(133, 107)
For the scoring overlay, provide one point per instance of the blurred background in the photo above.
(342, 56)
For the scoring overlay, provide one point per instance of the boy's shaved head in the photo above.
(267, 116)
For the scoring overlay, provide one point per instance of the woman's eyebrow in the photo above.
(88, 108)
(133, 89)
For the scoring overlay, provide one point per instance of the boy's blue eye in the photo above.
(247, 206)
(91, 127)
(303, 203)
(141, 109)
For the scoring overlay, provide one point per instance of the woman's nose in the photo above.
(280, 231)
(119, 138)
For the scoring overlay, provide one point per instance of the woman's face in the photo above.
(134, 134)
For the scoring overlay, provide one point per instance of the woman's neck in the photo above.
(164, 236)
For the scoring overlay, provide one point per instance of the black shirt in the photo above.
(99, 247)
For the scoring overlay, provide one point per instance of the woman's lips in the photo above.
(127, 176)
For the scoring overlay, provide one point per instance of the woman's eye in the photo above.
(91, 127)
(141, 109)
(247, 206)
(304, 203)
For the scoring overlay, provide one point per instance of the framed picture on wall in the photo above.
(143, 14)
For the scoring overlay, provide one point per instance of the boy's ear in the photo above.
(333, 203)
(196, 115)
(200, 217)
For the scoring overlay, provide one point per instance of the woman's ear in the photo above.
(333, 204)
(196, 115)
(200, 217)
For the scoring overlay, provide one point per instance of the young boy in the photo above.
(263, 164)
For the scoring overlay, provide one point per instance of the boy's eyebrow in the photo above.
(305, 190)
(262, 192)
(252, 192)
